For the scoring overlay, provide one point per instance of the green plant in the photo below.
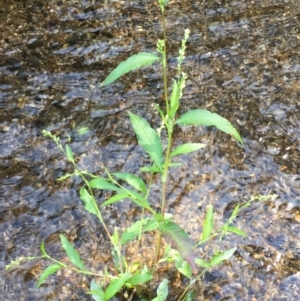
(133, 274)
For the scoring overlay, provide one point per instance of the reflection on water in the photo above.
(242, 62)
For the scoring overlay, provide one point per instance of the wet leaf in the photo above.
(116, 285)
(132, 63)
(88, 200)
(71, 252)
(132, 180)
(148, 139)
(219, 258)
(186, 148)
(205, 117)
(178, 238)
(208, 223)
(47, 272)
(101, 183)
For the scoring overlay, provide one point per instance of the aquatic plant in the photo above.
(179, 248)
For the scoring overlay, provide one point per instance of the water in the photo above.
(242, 62)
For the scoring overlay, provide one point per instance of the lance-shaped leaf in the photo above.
(139, 279)
(115, 286)
(174, 101)
(186, 148)
(202, 263)
(101, 183)
(96, 291)
(179, 240)
(69, 154)
(162, 291)
(152, 169)
(132, 63)
(208, 223)
(115, 198)
(138, 199)
(89, 201)
(138, 227)
(132, 180)
(237, 231)
(204, 117)
(71, 252)
(47, 272)
(148, 139)
(219, 258)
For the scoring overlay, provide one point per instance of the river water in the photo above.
(242, 62)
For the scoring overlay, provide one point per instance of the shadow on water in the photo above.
(242, 61)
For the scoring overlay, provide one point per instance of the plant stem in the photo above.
(192, 282)
(164, 63)
(169, 127)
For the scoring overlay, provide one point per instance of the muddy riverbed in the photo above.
(242, 62)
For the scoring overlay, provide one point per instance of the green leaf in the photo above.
(174, 101)
(174, 164)
(152, 169)
(89, 201)
(162, 291)
(83, 130)
(139, 279)
(132, 180)
(235, 212)
(186, 148)
(237, 231)
(69, 154)
(101, 183)
(204, 117)
(71, 252)
(47, 272)
(178, 238)
(190, 296)
(96, 291)
(42, 248)
(163, 2)
(138, 227)
(202, 263)
(208, 223)
(116, 198)
(219, 258)
(116, 285)
(183, 267)
(115, 238)
(138, 199)
(132, 63)
(148, 139)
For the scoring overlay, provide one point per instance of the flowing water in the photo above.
(242, 62)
